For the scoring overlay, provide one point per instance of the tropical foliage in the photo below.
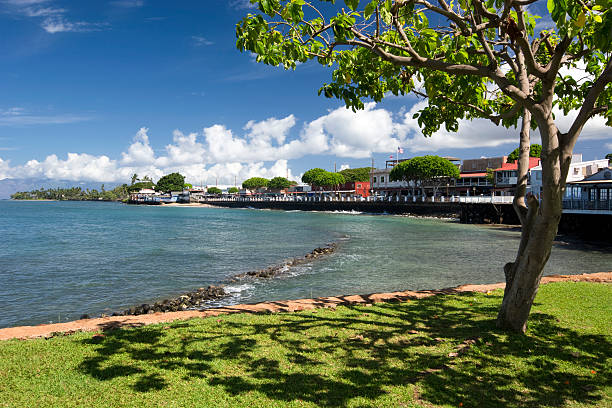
(279, 183)
(309, 176)
(171, 182)
(358, 174)
(75, 194)
(214, 190)
(430, 170)
(535, 150)
(255, 182)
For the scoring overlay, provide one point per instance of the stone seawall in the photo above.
(587, 226)
(450, 210)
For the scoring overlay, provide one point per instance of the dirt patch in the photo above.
(117, 322)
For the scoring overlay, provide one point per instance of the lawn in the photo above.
(439, 351)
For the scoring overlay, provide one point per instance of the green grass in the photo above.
(386, 355)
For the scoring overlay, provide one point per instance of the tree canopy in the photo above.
(424, 168)
(279, 183)
(171, 182)
(535, 150)
(214, 190)
(328, 179)
(254, 183)
(358, 174)
(609, 157)
(309, 176)
(233, 190)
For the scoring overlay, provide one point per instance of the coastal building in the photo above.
(144, 196)
(591, 195)
(349, 189)
(578, 171)
(381, 184)
(506, 177)
(473, 178)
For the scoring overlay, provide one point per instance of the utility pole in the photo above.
(216, 181)
(234, 181)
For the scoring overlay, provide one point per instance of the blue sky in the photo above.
(98, 90)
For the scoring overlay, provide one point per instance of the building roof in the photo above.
(591, 182)
(533, 162)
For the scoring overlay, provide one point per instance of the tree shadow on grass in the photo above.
(446, 352)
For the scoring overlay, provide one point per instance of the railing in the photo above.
(581, 204)
(388, 199)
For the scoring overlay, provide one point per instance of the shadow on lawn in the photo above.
(390, 345)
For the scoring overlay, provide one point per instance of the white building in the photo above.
(381, 185)
(578, 171)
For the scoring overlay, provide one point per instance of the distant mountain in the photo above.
(11, 186)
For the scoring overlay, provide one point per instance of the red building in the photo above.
(506, 176)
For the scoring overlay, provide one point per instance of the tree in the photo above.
(233, 190)
(328, 179)
(479, 58)
(609, 157)
(432, 170)
(309, 176)
(187, 185)
(358, 174)
(214, 190)
(535, 150)
(255, 183)
(279, 183)
(134, 178)
(171, 182)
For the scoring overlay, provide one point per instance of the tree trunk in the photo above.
(539, 227)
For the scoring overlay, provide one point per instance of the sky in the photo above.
(100, 90)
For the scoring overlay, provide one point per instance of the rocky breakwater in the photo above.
(198, 298)
(190, 300)
(275, 270)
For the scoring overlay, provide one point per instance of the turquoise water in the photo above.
(59, 260)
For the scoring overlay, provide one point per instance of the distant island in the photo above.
(119, 193)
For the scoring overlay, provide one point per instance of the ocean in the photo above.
(59, 260)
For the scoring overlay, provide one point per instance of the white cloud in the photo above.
(20, 117)
(200, 41)
(52, 19)
(609, 146)
(241, 4)
(263, 148)
(59, 24)
(127, 3)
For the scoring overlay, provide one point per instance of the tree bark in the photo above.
(539, 228)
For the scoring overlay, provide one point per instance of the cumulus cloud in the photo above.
(263, 148)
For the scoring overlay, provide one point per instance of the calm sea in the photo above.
(59, 260)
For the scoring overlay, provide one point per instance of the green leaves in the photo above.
(370, 9)
(424, 168)
(352, 4)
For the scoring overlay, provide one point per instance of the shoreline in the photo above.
(117, 322)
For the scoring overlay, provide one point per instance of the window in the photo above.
(382, 179)
(374, 179)
(577, 192)
(593, 194)
(358, 185)
(603, 194)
